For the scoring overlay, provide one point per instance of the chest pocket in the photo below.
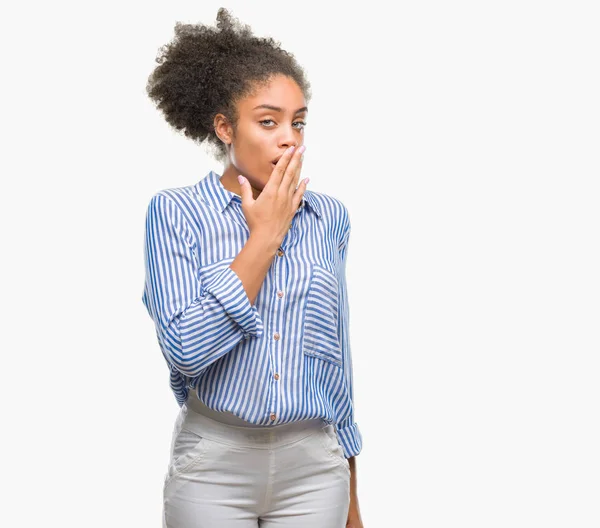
(321, 317)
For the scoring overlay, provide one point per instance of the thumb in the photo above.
(245, 189)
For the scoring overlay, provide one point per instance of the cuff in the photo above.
(228, 289)
(350, 439)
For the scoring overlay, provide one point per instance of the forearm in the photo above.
(353, 486)
(253, 262)
(353, 483)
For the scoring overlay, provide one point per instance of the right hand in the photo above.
(271, 214)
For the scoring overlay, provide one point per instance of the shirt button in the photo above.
(280, 294)
(276, 376)
(276, 335)
(280, 252)
(273, 416)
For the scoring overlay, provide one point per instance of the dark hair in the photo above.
(205, 70)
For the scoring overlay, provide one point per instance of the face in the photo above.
(270, 121)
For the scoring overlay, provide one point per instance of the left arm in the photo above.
(354, 519)
(347, 429)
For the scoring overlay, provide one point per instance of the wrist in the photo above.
(264, 242)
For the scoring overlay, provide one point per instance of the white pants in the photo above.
(284, 476)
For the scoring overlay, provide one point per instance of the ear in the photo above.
(223, 129)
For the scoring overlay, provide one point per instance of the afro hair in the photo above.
(205, 70)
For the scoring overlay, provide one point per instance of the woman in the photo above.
(245, 283)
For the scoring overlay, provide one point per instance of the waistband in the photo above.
(257, 436)
(194, 403)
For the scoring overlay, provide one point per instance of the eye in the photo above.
(302, 123)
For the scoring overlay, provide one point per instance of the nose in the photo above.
(288, 139)
(283, 145)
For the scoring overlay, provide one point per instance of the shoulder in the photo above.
(333, 211)
(176, 202)
(331, 208)
(174, 195)
(177, 210)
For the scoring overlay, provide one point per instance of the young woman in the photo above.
(245, 282)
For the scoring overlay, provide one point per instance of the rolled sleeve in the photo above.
(350, 438)
(229, 290)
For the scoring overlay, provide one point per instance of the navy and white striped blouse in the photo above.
(283, 359)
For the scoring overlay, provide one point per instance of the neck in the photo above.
(230, 182)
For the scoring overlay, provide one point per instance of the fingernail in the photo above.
(291, 149)
(307, 180)
(302, 149)
(241, 179)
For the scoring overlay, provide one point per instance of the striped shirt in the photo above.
(283, 359)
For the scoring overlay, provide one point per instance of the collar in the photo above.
(211, 190)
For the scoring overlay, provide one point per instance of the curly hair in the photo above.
(205, 70)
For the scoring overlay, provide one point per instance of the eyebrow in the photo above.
(278, 109)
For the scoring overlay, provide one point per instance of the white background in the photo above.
(463, 138)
